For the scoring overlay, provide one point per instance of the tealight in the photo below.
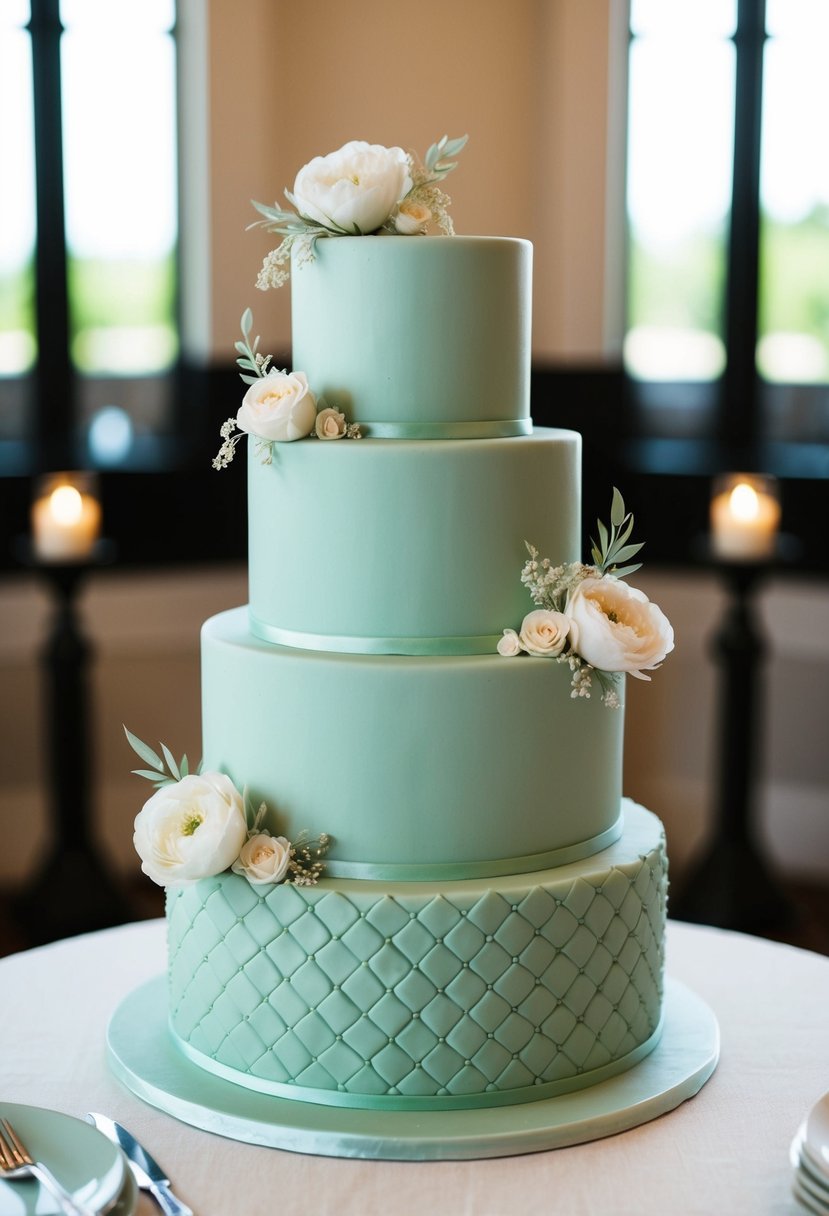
(66, 518)
(745, 517)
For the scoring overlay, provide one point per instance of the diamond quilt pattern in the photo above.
(435, 992)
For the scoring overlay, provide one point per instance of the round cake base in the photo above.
(143, 1056)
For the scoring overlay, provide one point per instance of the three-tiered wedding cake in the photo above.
(488, 929)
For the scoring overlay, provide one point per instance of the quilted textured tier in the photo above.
(384, 547)
(417, 767)
(408, 335)
(432, 995)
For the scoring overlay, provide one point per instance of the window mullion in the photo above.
(739, 408)
(54, 375)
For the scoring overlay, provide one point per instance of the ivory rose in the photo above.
(279, 406)
(330, 424)
(617, 628)
(191, 829)
(412, 218)
(509, 645)
(353, 190)
(544, 633)
(263, 859)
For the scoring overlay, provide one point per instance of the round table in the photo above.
(726, 1150)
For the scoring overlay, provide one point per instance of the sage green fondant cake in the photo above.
(488, 929)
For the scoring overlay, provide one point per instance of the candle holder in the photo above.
(732, 886)
(73, 891)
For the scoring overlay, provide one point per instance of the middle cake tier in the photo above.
(419, 768)
(391, 547)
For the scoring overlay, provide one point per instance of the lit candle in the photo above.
(66, 518)
(745, 516)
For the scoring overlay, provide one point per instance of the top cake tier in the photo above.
(420, 337)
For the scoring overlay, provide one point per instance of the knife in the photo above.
(145, 1169)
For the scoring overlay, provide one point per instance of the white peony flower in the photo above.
(509, 645)
(617, 628)
(412, 218)
(544, 633)
(263, 859)
(353, 190)
(190, 830)
(330, 424)
(279, 406)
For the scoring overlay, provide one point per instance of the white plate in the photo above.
(816, 1134)
(92, 1169)
(805, 1197)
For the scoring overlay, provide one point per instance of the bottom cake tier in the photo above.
(419, 995)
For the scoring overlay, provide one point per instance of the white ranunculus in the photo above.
(544, 633)
(353, 190)
(617, 628)
(263, 858)
(412, 218)
(279, 406)
(509, 645)
(190, 830)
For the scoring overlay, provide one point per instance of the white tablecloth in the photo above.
(724, 1152)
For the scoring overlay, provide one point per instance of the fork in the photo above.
(17, 1162)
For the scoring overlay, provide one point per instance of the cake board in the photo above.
(144, 1057)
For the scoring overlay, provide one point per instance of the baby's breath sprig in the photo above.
(306, 864)
(550, 586)
(437, 164)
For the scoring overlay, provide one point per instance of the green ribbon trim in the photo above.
(350, 644)
(438, 1102)
(459, 871)
(506, 428)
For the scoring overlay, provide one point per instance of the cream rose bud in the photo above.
(617, 628)
(190, 830)
(279, 406)
(509, 645)
(412, 218)
(353, 190)
(330, 424)
(263, 858)
(544, 633)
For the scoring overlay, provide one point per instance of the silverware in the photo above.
(17, 1162)
(145, 1169)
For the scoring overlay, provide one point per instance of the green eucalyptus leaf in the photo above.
(625, 570)
(149, 774)
(171, 763)
(184, 767)
(602, 535)
(617, 509)
(627, 551)
(145, 752)
(247, 321)
(250, 379)
(596, 555)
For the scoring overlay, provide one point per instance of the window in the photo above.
(118, 72)
(18, 341)
(98, 170)
(702, 363)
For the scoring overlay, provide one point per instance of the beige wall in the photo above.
(527, 81)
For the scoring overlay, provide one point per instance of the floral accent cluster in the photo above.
(278, 406)
(196, 825)
(360, 189)
(587, 617)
